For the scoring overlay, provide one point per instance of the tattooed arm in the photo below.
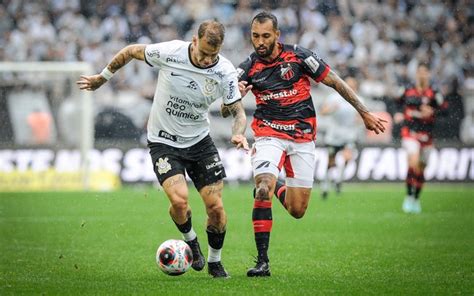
(239, 125)
(125, 55)
(371, 121)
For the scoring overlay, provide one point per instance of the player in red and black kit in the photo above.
(284, 125)
(419, 104)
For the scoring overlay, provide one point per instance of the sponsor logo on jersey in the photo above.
(178, 107)
(192, 85)
(168, 136)
(231, 93)
(279, 126)
(279, 95)
(210, 86)
(217, 73)
(153, 53)
(312, 63)
(175, 59)
(163, 165)
(286, 72)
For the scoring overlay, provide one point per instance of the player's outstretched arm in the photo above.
(239, 125)
(372, 122)
(125, 55)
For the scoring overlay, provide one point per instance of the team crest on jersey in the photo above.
(286, 72)
(163, 165)
(210, 86)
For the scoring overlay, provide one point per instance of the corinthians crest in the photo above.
(163, 165)
(210, 87)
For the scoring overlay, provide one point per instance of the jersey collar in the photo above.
(199, 67)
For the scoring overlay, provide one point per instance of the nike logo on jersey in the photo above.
(175, 74)
(217, 173)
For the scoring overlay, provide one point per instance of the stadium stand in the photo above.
(380, 42)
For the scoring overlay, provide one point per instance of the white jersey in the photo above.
(342, 126)
(184, 92)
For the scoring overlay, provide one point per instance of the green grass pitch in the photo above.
(357, 243)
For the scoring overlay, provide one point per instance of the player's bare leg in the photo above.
(262, 222)
(216, 227)
(176, 189)
(297, 200)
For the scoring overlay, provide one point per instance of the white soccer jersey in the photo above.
(342, 125)
(184, 92)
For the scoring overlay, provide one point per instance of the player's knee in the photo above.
(179, 205)
(262, 192)
(297, 213)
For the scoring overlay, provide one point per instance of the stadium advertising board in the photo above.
(43, 169)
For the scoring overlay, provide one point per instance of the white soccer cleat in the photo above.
(416, 207)
(408, 203)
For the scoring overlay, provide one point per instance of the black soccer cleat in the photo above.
(198, 259)
(216, 270)
(262, 268)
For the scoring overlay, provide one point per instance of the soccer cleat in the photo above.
(416, 207)
(216, 270)
(262, 268)
(407, 206)
(198, 259)
(338, 188)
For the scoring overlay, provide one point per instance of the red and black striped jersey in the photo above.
(282, 91)
(412, 100)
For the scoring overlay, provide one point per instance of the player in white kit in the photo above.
(192, 76)
(342, 128)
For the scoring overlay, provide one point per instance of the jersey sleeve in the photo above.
(157, 53)
(243, 70)
(313, 65)
(231, 93)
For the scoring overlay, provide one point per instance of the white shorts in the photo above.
(413, 146)
(270, 154)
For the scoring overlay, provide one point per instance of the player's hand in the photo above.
(92, 82)
(240, 142)
(244, 88)
(426, 111)
(374, 123)
(398, 117)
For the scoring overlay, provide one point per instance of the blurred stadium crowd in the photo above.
(378, 42)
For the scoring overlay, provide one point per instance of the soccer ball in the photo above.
(174, 257)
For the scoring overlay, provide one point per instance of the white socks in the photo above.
(214, 255)
(190, 235)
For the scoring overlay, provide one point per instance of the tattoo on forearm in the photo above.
(345, 91)
(240, 120)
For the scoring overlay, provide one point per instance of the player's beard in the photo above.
(268, 51)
